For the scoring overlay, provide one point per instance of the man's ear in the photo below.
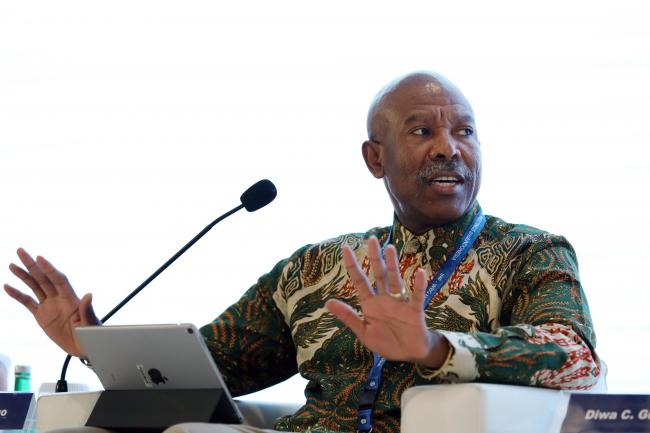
(373, 153)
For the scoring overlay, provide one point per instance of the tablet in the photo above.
(169, 356)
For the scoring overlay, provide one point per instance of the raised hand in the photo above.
(393, 323)
(57, 309)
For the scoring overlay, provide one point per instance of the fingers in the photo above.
(357, 276)
(42, 277)
(377, 264)
(419, 288)
(388, 279)
(347, 315)
(24, 299)
(28, 280)
(86, 311)
(57, 278)
(36, 273)
(385, 267)
(395, 282)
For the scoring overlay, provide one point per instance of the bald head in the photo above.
(423, 144)
(409, 87)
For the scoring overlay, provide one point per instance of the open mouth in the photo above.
(446, 180)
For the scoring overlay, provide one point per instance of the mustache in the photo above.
(439, 168)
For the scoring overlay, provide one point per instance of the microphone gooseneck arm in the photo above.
(255, 197)
(180, 252)
(62, 384)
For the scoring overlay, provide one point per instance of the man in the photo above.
(443, 295)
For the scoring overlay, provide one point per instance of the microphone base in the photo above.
(156, 410)
(61, 386)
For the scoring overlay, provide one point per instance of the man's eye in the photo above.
(420, 131)
(466, 132)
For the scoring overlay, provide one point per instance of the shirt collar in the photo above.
(438, 242)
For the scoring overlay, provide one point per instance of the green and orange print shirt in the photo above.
(513, 311)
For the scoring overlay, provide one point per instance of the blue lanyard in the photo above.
(371, 387)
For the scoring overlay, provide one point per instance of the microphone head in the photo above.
(258, 195)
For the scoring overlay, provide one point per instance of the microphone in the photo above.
(256, 197)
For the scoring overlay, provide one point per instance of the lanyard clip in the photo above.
(364, 420)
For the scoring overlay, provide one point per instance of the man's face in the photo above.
(427, 152)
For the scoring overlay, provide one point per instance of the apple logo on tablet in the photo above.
(156, 376)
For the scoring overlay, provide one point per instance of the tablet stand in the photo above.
(155, 410)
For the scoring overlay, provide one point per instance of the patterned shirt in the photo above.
(513, 312)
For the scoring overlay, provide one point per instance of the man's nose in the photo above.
(443, 146)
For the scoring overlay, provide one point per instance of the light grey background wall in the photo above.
(127, 126)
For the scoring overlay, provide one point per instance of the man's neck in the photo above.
(459, 222)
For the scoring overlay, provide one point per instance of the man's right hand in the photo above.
(57, 309)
